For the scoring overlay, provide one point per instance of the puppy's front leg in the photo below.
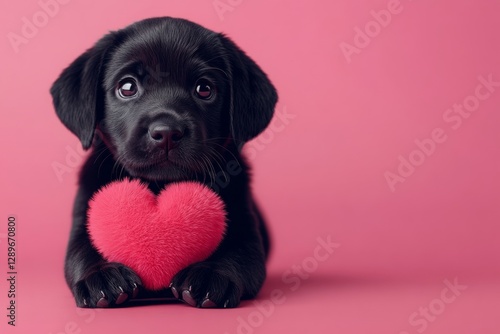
(235, 271)
(94, 281)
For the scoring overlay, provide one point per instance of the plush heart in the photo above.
(156, 236)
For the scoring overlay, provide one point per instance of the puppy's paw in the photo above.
(205, 285)
(110, 284)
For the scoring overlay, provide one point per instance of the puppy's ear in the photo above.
(253, 96)
(77, 94)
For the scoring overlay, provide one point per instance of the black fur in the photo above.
(166, 133)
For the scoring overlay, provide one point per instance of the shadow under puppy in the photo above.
(166, 100)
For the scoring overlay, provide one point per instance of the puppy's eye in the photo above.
(127, 88)
(204, 89)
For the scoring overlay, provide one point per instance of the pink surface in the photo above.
(384, 147)
(156, 236)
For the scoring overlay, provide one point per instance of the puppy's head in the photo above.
(165, 95)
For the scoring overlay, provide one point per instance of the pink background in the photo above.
(320, 174)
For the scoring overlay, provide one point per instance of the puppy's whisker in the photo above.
(204, 170)
(211, 171)
(221, 168)
(217, 155)
(229, 151)
(202, 167)
(192, 162)
(212, 153)
(121, 171)
(215, 141)
(100, 152)
(115, 167)
(103, 160)
(207, 168)
(119, 163)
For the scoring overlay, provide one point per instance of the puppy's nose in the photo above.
(165, 136)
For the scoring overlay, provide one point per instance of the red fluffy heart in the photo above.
(156, 236)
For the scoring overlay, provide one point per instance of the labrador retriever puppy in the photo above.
(166, 100)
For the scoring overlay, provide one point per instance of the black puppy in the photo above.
(167, 100)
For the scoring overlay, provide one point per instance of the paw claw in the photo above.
(103, 302)
(122, 297)
(174, 292)
(135, 292)
(186, 296)
(207, 303)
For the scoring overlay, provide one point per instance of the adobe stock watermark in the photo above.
(232, 168)
(278, 124)
(154, 76)
(221, 7)
(293, 279)
(30, 26)
(381, 19)
(73, 159)
(73, 327)
(454, 118)
(427, 314)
